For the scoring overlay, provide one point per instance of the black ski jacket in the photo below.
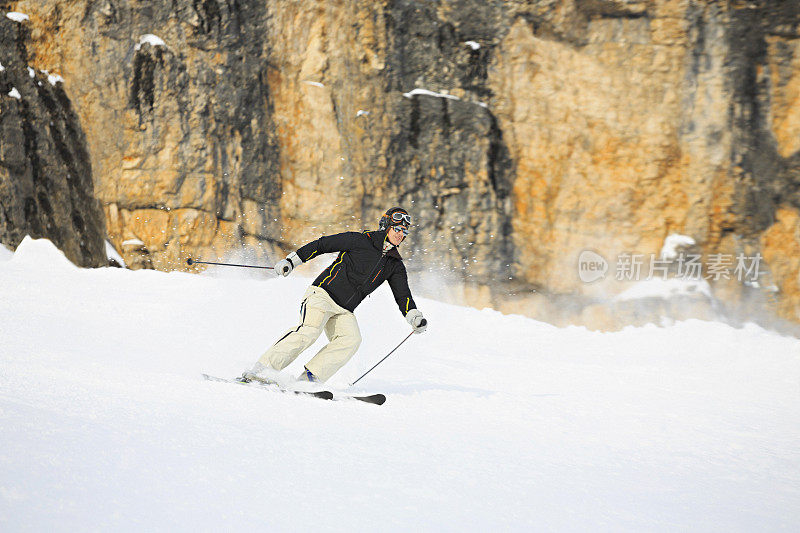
(360, 268)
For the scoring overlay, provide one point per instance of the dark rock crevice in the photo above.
(143, 83)
(448, 159)
(769, 180)
(45, 173)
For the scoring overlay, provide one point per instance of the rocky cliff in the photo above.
(46, 187)
(519, 133)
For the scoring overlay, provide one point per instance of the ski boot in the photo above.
(260, 374)
(307, 375)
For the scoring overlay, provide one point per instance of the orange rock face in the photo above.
(519, 134)
(781, 249)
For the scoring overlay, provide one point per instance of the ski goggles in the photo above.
(398, 217)
(399, 228)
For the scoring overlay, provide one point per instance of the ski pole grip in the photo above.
(423, 323)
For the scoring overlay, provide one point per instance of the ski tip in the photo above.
(380, 399)
(375, 399)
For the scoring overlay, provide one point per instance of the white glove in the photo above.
(417, 321)
(284, 267)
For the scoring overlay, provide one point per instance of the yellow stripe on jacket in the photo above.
(332, 269)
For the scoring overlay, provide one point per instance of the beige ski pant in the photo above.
(317, 312)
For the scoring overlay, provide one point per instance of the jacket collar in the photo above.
(377, 237)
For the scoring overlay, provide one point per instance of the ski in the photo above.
(375, 399)
(323, 395)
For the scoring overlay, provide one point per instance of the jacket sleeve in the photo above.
(398, 281)
(327, 244)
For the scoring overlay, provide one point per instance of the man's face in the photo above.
(396, 235)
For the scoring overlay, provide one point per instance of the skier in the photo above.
(364, 262)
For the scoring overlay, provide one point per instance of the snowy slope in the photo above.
(492, 421)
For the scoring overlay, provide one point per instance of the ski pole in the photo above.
(382, 360)
(191, 261)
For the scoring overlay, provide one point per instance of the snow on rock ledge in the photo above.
(53, 78)
(40, 252)
(671, 244)
(17, 17)
(152, 40)
(426, 92)
(666, 289)
(112, 253)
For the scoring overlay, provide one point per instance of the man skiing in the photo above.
(364, 262)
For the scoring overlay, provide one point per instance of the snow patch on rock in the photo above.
(17, 17)
(666, 289)
(112, 253)
(426, 92)
(671, 244)
(152, 40)
(38, 253)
